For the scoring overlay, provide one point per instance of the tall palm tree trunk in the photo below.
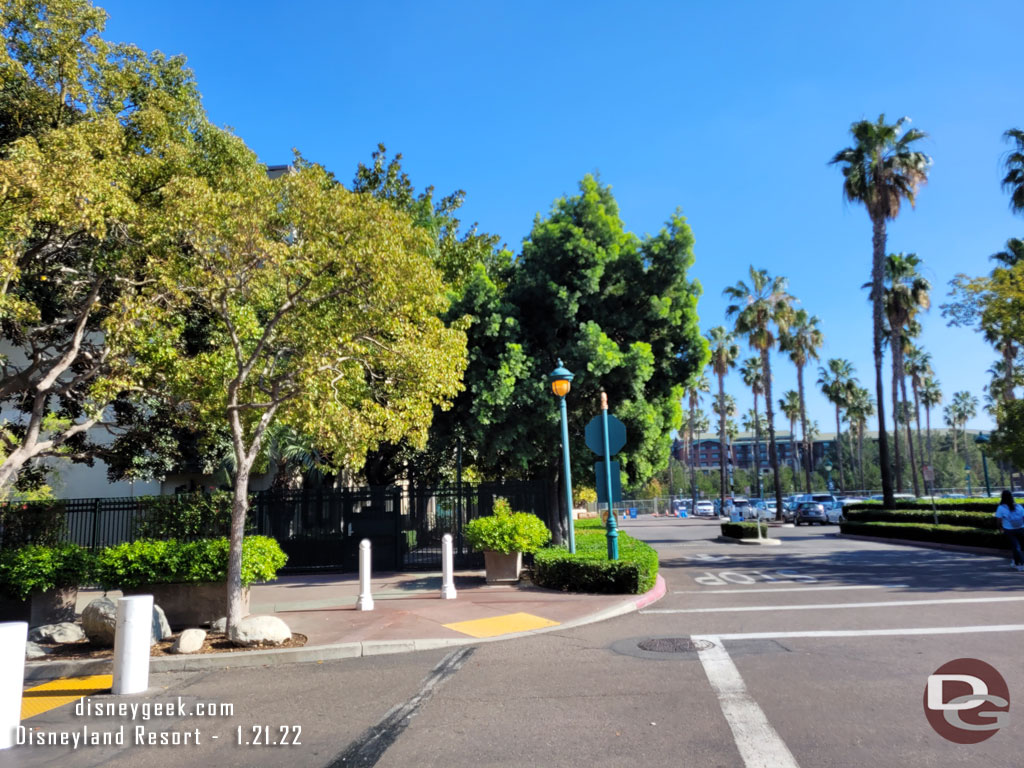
(860, 452)
(910, 435)
(773, 455)
(792, 449)
(897, 462)
(803, 429)
(877, 261)
(1009, 351)
(917, 426)
(928, 428)
(693, 458)
(721, 438)
(757, 451)
(839, 447)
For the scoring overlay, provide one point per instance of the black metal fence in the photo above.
(317, 528)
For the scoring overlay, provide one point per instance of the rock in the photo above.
(220, 625)
(98, 621)
(161, 629)
(65, 632)
(256, 630)
(189, 641)
(35, 651)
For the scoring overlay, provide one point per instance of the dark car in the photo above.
(810, 512)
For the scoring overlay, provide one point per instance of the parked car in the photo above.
(810, 512)
(835, 514)
(705, 509)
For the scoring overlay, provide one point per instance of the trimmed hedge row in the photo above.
(942, 534)
(855, 513)
(590, 570)
(743, 530)
(963, 505)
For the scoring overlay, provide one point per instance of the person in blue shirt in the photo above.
(1011, 515)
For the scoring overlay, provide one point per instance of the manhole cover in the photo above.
(673, 645)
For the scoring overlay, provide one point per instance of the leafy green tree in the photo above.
(763, 309)
(801, 341)
(324, 317)
(723, 357)
(859, 408)
(753, 376)
(836, 380)
(881, 170)
(1013, 182)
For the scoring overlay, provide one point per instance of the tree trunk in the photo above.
(917, 427)
(239, 510)
(928, 426)
(803, 428)
(860, 453)
(757, 451)
(839, 449)
(910, 435)
(693, 459)
(721, 438)
(897, 462)
(1009, 355)
(773, 455)
(877, 261)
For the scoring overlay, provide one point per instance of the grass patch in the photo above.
(590, 570)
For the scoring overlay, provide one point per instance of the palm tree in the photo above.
(801, 340)
(881, 170)
(918, 366)
(906, 294)
(836, 380)
(790, 406)
(753, 377)
(965, 408)
(723, 357)
(931, 397)
(1013, 182)
(694, 392)
(761, 310)
(859, 408)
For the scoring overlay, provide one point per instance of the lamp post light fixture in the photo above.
(827, 466)
(967, 471)
(981, 440)
(561, 382)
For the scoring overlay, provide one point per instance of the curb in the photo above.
(750, 542)
(929, 545)
(49, 670)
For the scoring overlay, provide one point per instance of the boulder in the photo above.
(35, 651)
(65, 632)
(189, 641)
(220, 625)
(161, 629)
(260, 630)
(99, 620)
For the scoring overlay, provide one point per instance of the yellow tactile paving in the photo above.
(57, 693)
(501, 625)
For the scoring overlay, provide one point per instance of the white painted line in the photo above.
(865, 632)
(783, 589)
(759, 744)
(827, 606)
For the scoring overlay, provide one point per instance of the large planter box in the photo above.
(191, 605)
(49, 607)
(502, 568)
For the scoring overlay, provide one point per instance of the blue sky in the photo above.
(729, 111)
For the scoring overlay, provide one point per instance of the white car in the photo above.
(705, 509)
(835, 514)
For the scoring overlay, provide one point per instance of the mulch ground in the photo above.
(215, 643)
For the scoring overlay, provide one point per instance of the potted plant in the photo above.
(503, 538)
(39, 583)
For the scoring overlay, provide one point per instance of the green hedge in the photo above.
(590, 570)
(943, 534)
(946, 517)
(39, 568)
(963, 505)
(169, 561)
(743, 530)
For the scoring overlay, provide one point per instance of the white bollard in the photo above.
(365, 602)
(133, 634)
(447, 575)
(13, 636)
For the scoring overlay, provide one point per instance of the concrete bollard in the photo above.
(13, 636)
(133, 635)
(447, 574)
(365, 602)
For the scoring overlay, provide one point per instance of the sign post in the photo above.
(605, 436)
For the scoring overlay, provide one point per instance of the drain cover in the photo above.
(673, 645)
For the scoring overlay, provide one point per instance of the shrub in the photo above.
(944, 534)
(953, 517)
(31, 522)
(506, 531)
(187, 516)
(964, 505)
(169, 561)
(743, 530)
(39, 568)
(590, 570)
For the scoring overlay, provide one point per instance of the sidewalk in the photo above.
(408, 615)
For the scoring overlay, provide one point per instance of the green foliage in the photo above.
(590, 570)
(506, 531)
(169, 561)
(943, 534)
(976, 505)
(743, 530)
(35, 567)
(190, 516)
(31, 522)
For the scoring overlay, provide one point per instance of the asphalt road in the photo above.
(813, 653)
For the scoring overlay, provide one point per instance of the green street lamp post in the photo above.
(982, 442)
(967, 471)
(827, 466)
(561, 379)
